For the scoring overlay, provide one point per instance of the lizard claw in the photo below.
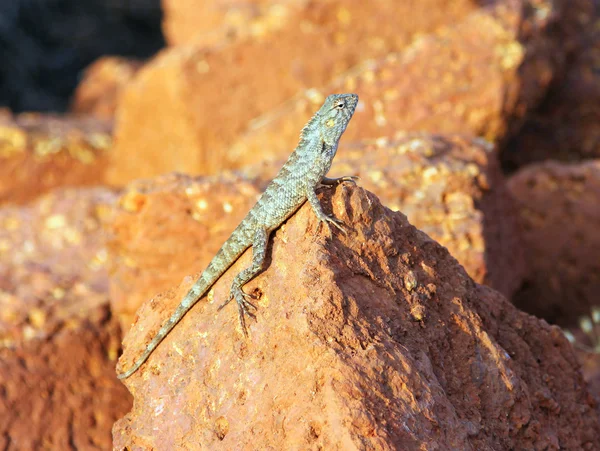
(327, 220)
(337, 180)
(349, 178)
(244, 306)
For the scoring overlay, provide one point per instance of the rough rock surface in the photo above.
(165, 228)
(58, 340)
(221, 20)
(475, 77)
(566, 126)
(186, 107)
(99, 92)
(448, 186)
(374, 340)
(558, 209)
(41, 152)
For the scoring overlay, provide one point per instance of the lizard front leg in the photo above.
(259, 249)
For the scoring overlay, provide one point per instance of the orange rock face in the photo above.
(58, 339)
(461, 79)
(377, 339)
(451, 188)
(99, 92)
(558, 209)
(218, 20)
(39, 153)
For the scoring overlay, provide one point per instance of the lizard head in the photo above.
(334, 116)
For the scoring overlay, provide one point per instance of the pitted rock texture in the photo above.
(178, 118)
(558, 210)
(219, 21)
(377, 339)
(58, 339)
(42, 152)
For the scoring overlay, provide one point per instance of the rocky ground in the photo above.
(461, 311)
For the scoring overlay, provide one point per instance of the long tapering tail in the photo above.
(227, 255)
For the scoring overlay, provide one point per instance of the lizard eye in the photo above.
(340, 105)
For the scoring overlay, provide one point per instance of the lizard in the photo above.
(304, 171)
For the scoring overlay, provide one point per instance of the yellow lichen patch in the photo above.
(47, 146)
(5, 246)
(58, 293)
(221, 427)
(511, 55)
(410, 281)
(201, 204)
(417, 312)
(37, 317)
(73, 236)
(55, 222)
(350, 83)
(100, 140)
(133, 201)
(99, 260)
(368, 76)
(344, 16)
(12, 141)
(82, 153)
(314, 96)
(11, 223)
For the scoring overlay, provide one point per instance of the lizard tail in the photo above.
(225, 257)
(195, 293)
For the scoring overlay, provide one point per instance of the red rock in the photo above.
(58, 339)
(41, 152)
(187, 106)
(217, 21)
(174, 220)
(465, 78)
(450, 187)
(377, 340)
(558, 210)
(99, 93)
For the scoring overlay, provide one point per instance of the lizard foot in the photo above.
(245, 307)
(328, 220)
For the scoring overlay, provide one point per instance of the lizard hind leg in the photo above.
(245, 307)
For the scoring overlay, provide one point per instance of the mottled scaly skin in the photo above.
(294, 184)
